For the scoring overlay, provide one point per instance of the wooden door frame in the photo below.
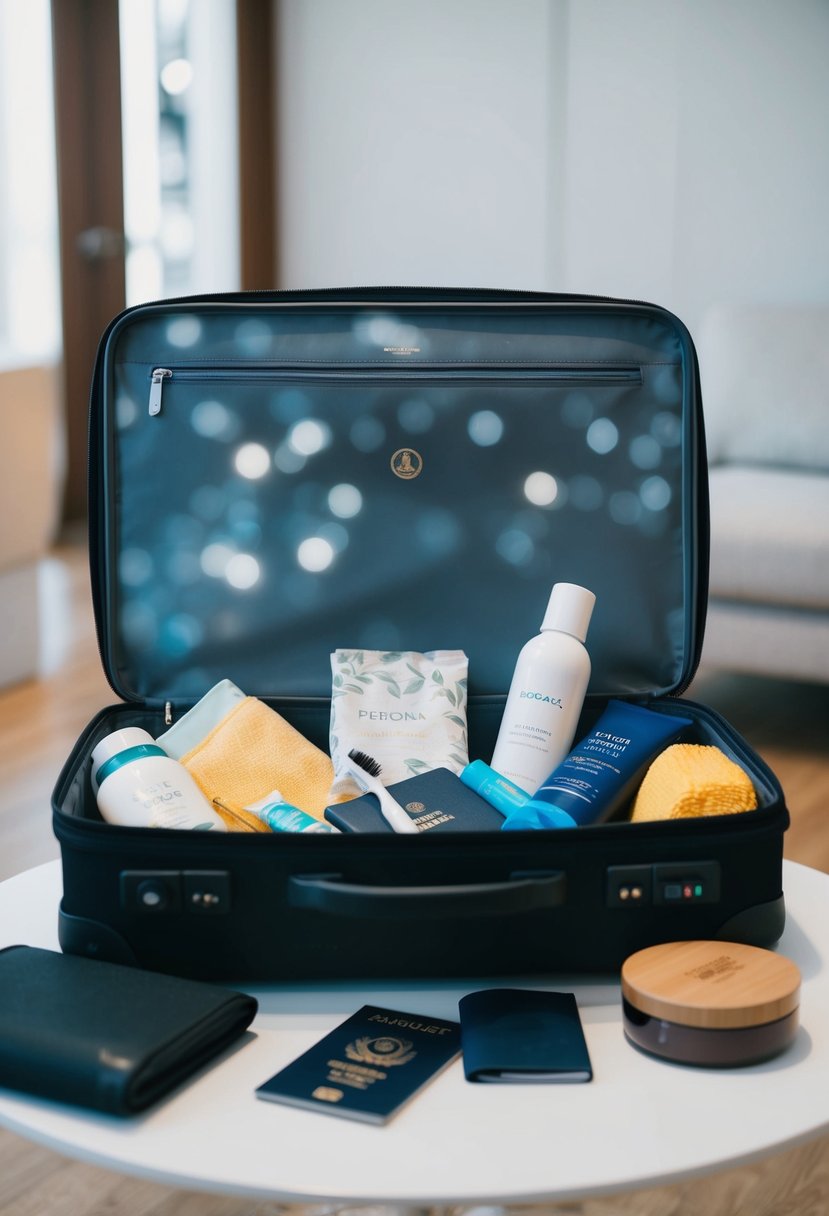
(87, 83)
(256, 34)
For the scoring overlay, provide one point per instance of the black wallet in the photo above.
(105, 1036)
(523, 1035)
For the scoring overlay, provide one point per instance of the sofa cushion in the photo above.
(770, 536)
(773, 641)
(765, 384)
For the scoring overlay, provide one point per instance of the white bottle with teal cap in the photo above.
(139, 786)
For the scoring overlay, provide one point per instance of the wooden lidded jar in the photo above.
(717, 1004)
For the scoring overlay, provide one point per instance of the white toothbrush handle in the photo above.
(392, 811)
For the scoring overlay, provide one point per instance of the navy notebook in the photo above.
(523, 1035)
(437, 801)
(369, 1066)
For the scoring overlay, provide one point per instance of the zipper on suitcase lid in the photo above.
(160, 374)
(561, 375)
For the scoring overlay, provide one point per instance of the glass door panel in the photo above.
(181, 181)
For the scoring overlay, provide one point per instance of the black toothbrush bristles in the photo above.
(366, 762)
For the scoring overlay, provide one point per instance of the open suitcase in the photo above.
(540, 438)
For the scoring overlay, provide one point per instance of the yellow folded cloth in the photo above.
(253, 751)
(691, 779)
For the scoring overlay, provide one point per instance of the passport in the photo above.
(368, 1067)
(523, 1035)
(437, 801)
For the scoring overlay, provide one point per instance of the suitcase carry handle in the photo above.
(520, 893)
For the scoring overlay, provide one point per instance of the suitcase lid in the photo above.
(275, 475)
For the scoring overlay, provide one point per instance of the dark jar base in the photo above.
(706, 1047)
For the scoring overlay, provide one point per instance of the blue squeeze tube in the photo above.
(282, 816)
(507, 797)
(603, 769)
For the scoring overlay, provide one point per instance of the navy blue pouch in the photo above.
(523, 1035)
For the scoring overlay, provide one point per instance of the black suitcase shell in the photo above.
(555, 438)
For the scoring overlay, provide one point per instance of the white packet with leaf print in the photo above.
(404, 709)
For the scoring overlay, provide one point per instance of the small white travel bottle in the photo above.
(138, 785)
(547, 691)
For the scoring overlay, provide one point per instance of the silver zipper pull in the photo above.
(160, 374)
(168, 713)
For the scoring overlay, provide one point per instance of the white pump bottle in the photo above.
(547, 691)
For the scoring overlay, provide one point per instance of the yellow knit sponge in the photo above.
(689, 780)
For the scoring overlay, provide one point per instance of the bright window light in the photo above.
(179, 115)
(30, 327)
(176, 76)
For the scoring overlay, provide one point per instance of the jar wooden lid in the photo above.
(711, 985)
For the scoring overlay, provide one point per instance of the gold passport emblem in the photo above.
(326, 1093)
(384, 1050)
(406, 463)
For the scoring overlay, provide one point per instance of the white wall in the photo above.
(697, 151)
(413, 141)
(671, 150)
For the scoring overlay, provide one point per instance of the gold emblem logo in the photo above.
(384, 1050)
(326, 1093)
(407, 463)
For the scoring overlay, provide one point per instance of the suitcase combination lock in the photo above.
(153, 892)
(668, 884)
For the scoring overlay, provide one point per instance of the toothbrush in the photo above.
(365, 771)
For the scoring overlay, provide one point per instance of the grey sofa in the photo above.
(765, 386)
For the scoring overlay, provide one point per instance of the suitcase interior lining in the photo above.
(255, 523)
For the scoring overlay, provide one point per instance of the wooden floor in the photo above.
(787, 723)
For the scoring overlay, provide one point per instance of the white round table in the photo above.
(640, 1122)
